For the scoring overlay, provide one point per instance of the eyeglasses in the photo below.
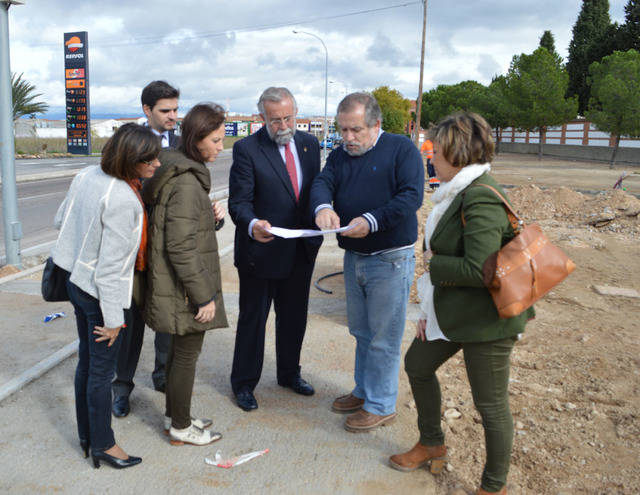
(278, 122)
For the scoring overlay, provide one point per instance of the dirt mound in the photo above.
(614, 209)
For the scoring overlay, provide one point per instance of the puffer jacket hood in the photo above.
(174, 163)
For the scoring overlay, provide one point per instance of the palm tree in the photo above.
(23, 98)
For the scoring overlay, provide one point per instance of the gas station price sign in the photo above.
(76, 82)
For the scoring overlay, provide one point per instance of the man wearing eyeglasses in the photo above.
(269, 185)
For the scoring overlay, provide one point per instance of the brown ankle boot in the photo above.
(483, 492)
(419, 456)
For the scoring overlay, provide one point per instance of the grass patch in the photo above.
(37, 146)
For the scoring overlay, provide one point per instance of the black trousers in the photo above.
(162, 344)
(129, 355)
(290, 297)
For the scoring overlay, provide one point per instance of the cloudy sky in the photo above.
(229, 51)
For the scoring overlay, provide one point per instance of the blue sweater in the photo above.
(385, 185)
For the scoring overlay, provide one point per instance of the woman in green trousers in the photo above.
(457, 309)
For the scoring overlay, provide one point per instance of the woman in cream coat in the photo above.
(101, 222)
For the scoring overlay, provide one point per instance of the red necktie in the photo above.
(291, 169)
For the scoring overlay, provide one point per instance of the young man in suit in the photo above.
(269, 184)
(160, 105)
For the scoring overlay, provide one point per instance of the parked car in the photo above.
(329, 144)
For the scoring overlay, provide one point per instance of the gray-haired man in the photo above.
(269, 184)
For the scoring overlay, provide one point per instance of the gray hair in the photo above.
(276, 95)
(372, 112)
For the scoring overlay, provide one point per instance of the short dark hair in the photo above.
(157, 90)
(465, 138)
(200, 121)
(372, 112)
(130, 145)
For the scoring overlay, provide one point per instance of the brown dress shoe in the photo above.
(483, 492)
(365, 421)
(347, 403)
(420, 455)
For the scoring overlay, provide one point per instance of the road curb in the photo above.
(38, 370)
(45, 175)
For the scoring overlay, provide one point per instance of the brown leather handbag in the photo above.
(525, 269)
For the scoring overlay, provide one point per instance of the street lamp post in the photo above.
(326, 86)
(12, 226)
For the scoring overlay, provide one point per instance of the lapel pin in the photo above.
(304, 149)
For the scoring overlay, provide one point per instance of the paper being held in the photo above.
(296, 233)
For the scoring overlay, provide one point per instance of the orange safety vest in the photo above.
(427, 149)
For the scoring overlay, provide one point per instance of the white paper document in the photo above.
(294, 233)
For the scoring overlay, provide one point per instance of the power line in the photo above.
(152, 40)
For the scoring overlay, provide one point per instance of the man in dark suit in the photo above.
(269, 184)
(160, 105)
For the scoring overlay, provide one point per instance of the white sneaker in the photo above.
(202, 423)
(193, 436)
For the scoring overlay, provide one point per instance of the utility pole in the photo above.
(12, 226)
(419, 100)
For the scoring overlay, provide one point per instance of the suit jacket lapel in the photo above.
(270, 150)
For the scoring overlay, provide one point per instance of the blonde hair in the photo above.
(464, 138)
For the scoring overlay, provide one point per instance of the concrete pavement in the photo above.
(310, 452)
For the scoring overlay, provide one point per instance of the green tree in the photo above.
(588, 32)
(614, 106)
(447, 99)
(630, 30)
(396, 109)
(493, 105)
(535, 89)
(23, 98)
(548, 41)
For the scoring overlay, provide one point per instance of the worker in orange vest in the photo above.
(427, 152)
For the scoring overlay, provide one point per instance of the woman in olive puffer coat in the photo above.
(184, 288)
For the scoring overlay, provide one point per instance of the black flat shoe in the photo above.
(84, 445)
(246, 400)
(114, 461)
(299, 386)
(120, 407)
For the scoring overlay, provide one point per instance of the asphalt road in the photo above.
(39, 200)
(43, 165)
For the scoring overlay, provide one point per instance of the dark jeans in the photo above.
(129, 355)
(487, 365)
(96, 366)
(181, 372)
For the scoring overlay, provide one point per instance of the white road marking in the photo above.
(59, 193)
